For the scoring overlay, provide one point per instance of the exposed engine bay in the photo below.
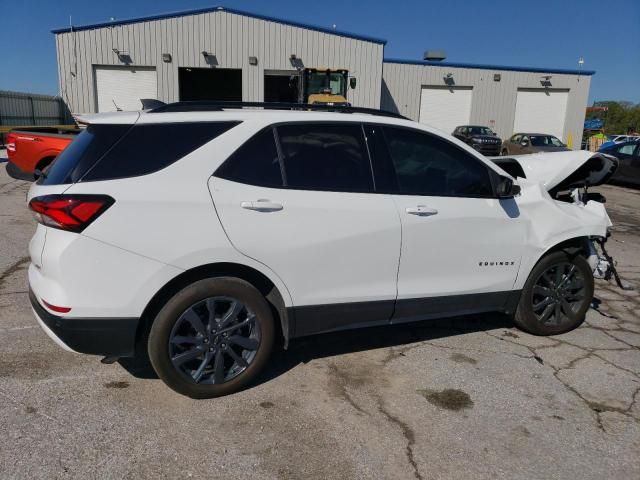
(567, 177)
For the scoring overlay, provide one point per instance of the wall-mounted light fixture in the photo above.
(546, 81)
(296, 62)
(210, 58)
(448, 79)
(124, 57)
(497, 77)
(166, 57)
(253, 60)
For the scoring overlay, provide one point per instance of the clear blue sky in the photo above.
(539, 33)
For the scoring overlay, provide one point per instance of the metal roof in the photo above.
(197, 11)
(489, 67)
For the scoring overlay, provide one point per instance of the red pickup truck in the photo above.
(36, 147)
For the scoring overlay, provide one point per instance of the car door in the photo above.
(634, 173)
(625, 153)
(514, 145)
(461, 246)
(299, 198)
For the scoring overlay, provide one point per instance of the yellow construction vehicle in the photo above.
(323, 85)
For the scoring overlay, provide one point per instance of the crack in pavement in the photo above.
(408, 434)
(13, 268)
(596, 407)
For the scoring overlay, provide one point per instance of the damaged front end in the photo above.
(567, 177)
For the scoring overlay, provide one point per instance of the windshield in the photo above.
(480, 131)
(545, 141)
(318, 81)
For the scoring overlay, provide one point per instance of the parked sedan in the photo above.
(523, 143)
(618, 139)
(628, 153)
(483, 139)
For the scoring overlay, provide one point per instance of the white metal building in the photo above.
(225, 54)
(507, 99)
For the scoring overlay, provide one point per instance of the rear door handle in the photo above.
(421, 211)
(262, 205)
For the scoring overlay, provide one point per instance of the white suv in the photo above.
(199, 233)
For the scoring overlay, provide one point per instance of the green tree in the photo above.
(620, 118)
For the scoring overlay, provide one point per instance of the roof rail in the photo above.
(208, 106)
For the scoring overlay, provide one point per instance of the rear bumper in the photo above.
(95, 336)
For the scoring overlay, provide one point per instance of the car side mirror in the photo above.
(353, 82)
(524, 143)
(507, 188)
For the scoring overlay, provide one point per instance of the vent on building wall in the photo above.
(434, 55)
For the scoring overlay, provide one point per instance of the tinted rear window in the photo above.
(148, 148)
(104, 152)
(254, 163)
(83, 153)
(329, 157)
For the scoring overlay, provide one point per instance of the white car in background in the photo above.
(197, 233)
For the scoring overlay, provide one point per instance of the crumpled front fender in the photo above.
(552, 222)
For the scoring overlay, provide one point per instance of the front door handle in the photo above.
(421, 211)
(262, 205)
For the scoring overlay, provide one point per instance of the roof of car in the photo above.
(241, 114)
(533, 134)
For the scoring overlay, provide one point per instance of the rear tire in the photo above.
(556, 296)
(212, 338)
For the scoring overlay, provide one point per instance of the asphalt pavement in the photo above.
(447, 399)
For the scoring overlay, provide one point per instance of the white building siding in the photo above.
(493, 103)
(231, 37)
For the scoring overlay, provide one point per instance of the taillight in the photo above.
(56, 308)
(11, 143)
(69, 212)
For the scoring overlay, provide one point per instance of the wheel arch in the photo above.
(573, 245)
(222, 269)
(46, 159)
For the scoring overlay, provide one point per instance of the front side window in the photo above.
(626, 149)
(329, 157)
(428, 165)
(545, 141)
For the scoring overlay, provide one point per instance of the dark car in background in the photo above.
(483, 139)
(524, 143)
(628, 155)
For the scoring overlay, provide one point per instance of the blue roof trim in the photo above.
(490, 67)
(221, 9)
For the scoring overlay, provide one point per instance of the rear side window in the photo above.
(255, 163)
(83, 153)
(427, 165)
(330, 157)
(148, 148)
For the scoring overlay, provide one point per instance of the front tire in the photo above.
(212, 338)
(556, 296)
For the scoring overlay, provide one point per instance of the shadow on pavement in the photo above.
(15, 172)
(303, 350)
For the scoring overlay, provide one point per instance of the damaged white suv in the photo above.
(199, 233)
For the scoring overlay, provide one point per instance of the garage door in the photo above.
(445, 108)
(541, 111)
(123, 87)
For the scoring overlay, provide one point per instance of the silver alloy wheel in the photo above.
(558, 294)
(214, 340)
